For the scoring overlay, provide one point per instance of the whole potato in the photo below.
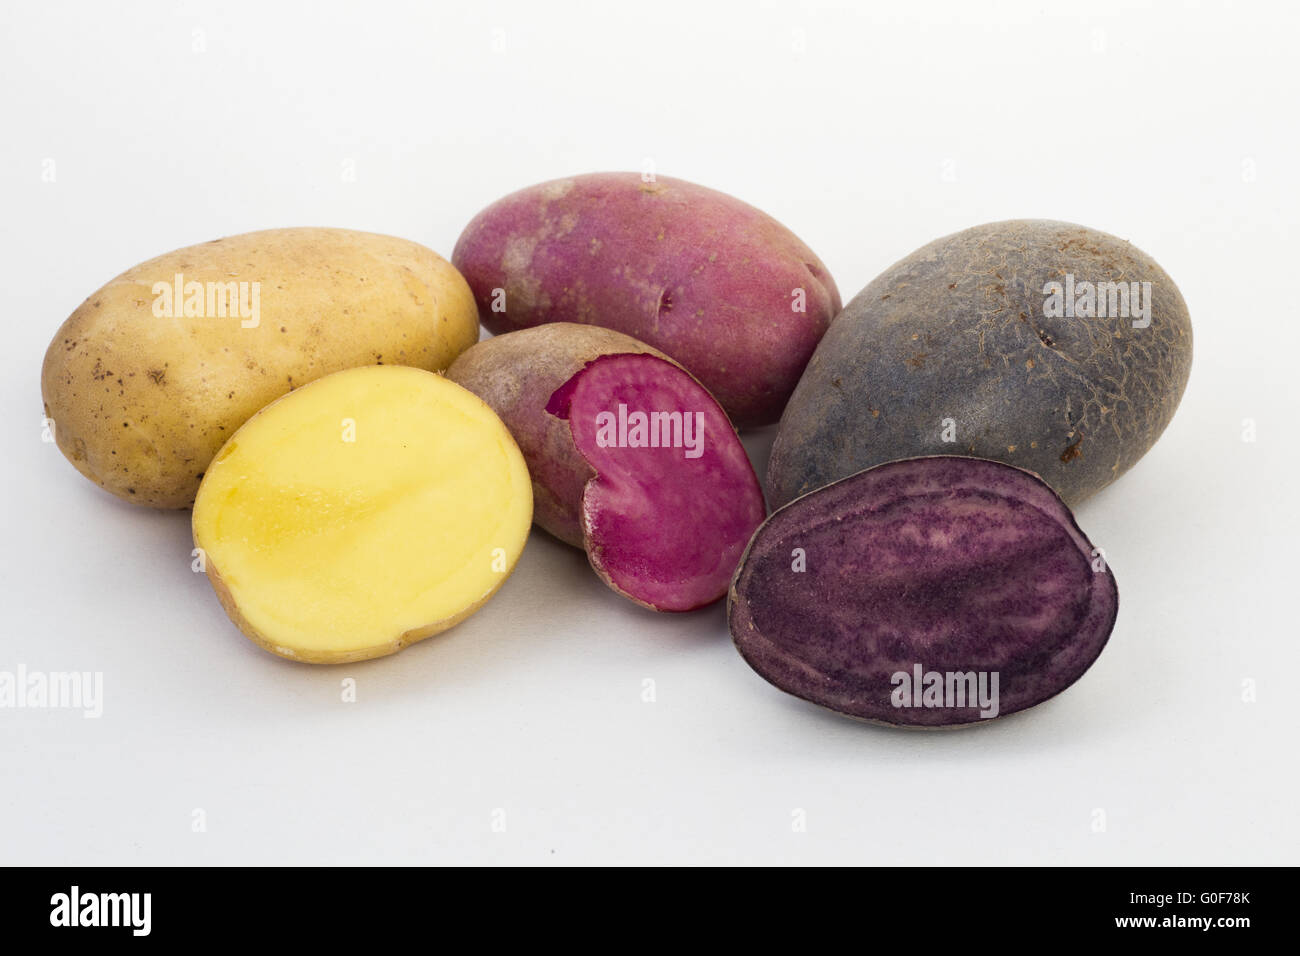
(1046, 345)
(719, 286)
(152, 373)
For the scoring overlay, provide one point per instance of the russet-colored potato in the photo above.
(156, 370)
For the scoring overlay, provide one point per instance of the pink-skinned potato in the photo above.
(662, 504)
(723, 288)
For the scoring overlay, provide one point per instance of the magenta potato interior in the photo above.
(661, 525)
(955, 565)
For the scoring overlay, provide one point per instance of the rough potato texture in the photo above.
(705, 278)
(141, 402)
(516, 374)
(967, 569)
(954, 350)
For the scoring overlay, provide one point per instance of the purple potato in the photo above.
(926, 566)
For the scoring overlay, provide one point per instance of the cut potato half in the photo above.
(361, 513)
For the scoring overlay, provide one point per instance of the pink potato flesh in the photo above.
(516, 374)
(664, 526)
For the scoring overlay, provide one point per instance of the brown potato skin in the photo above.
(516, 374)
(141, 403)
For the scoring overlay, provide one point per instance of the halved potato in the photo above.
(361, 513)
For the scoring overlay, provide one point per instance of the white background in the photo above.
(867, 130)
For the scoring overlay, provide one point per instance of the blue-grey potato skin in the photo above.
(952, 350)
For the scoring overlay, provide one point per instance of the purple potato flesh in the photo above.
(968, 574)
(672, 505)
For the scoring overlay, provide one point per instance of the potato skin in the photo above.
(958, 330)
(516, 374)
(699, 275)
(142, 403)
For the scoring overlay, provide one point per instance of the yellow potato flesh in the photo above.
(368, 510)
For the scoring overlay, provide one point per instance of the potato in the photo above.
(980, 344)
(516, 374)
(723, 288)
(929, 592)
(144, 382)
(366, 511)
(631, 459)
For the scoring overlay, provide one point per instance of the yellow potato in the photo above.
(151, 375)
(367, 511)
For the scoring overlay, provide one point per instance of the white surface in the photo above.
(845, 124)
